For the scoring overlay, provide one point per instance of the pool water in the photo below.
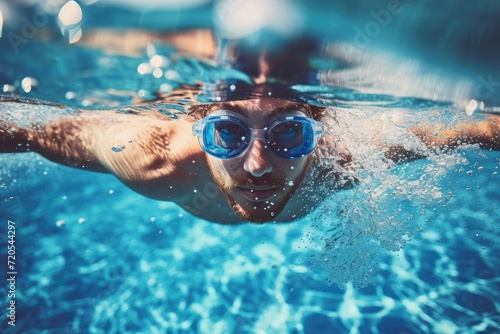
(411, 249)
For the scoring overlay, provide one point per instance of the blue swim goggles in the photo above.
(227, 137)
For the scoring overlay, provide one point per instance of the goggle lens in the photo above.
(227, 137)
(291, 138)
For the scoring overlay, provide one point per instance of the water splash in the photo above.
(358, 228)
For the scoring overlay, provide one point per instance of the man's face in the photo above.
(258, 184)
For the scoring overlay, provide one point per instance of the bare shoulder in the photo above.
(150, 155)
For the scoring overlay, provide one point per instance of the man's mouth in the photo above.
(257, 194)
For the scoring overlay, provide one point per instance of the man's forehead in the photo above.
(267, 106)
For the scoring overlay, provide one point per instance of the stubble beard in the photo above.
(257, 212)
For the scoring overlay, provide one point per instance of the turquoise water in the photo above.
(142, 266)
(411, 249)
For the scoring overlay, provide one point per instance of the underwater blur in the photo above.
(412, 248)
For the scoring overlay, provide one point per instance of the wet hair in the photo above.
(199, 111)
(241, 91)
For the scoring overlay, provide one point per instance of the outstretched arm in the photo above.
(485, 133)
(145, 152)
(61, 134)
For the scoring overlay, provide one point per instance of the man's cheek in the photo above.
(294, 170)
(230, 165)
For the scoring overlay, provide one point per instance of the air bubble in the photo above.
(144, 68)
(171, 75)
(60, 223)
(9, 88)
(471, 107)
(290, 183)
(158, 61)
(157, 73)
(117, 148)
(70, 95)
(81, 221)
(28, 84)
(146, 95)
(70, 14)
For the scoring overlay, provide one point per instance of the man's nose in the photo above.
(257, 162)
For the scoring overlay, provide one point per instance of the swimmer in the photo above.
(229, 162)
(252, 159)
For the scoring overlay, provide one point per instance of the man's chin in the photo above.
(256, 215)
(255, 219)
